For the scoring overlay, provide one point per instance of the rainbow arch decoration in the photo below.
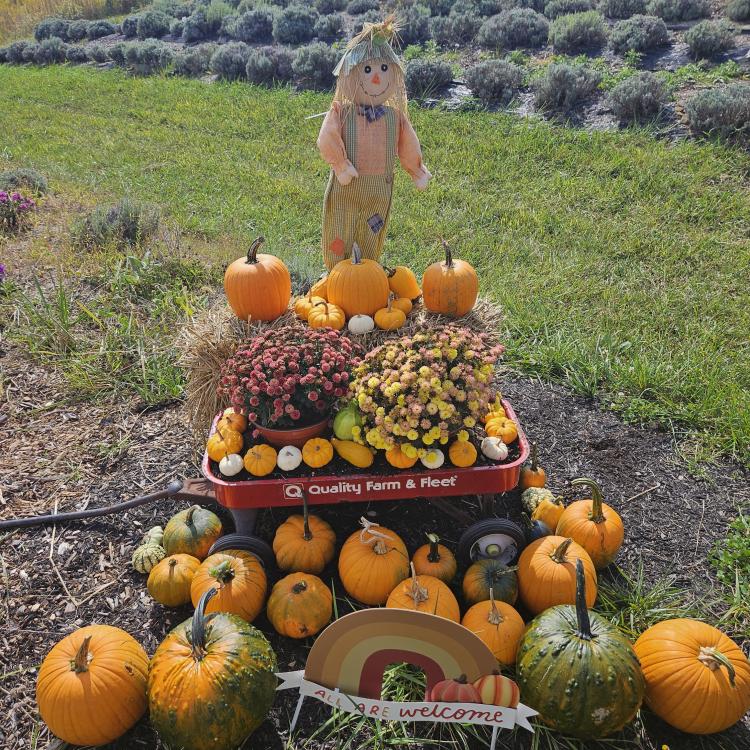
(352, 653)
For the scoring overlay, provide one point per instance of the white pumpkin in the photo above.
(360, 324)
(231, 464)
(494, 448)
(289, 458)
(433, 459)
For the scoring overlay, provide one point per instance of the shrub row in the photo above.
(73, 31)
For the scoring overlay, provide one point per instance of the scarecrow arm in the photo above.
(410, 154)
(332, 149)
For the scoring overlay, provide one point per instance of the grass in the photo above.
(619, 259)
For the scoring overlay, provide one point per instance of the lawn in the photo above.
(621, 260)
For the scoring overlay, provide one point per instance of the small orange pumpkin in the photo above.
(326, 315)
(300, 605)
(404, 304)
(436, 560)
(498, 626)
(233, 420)
(462, 453)
(258, 286)
(424, 594)
(398, 459)
(303, 305)
(390, 318)
(240, 580)
(169, 581)
(534, 475)
(317, 452)
(260, 460)
(451, 287)
(223, 442)
(503, 428)
(496, 410)
(593, 524)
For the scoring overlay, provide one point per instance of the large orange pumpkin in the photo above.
(425, 594)
(240, 580)
(91, 686)
(359, 286)
(547, 573)
(300, 605)
(258, 286)
(594, 525)
(498, 625)
(697, 679)
(450, 287)
(372, 562)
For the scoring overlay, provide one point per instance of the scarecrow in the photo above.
(365, 129)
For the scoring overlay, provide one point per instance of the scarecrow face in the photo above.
(374, 81)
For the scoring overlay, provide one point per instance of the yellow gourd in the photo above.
(317, 452)
(356, 454)
(548, 512)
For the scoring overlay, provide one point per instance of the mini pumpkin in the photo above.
(462, 453)
(239, 579)
(231, 465)
(398, 459)
(303, 305)
(434, 559)
(232, 420)
(486, 575)
(223, 442)
(326, 315)
(503, 428)
(496, 410)
(498, 626)
(424, 594)
(289, 458)
(450, 287)
(389, 318)
(146, 556)
(593, 524)
(360, 324)
(372, 562)
(300, 605)
(534, 475)
(403, 282)
(494, 449)
(260, 460)
(192, 532)
(404, 304)
(317, 452)
(433, 459)
(169, 581)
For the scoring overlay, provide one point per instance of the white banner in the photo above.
(498, 717)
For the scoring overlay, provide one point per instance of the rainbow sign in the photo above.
(345, 668)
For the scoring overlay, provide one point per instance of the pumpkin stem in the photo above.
(448, 254)
(461, 678)
(198, 627)
(582, 612)
(534, 456)
(190, 514)
(356, 254)
(299, 587)
(307, 534)
(252, 253)
(494, 617)
(597, 516)
(559, 554)
(172, 565)
(391, 297)
(82, 658)
(376, 537)
(418, 593)
(223, 572)
(325, 304)
(434, 554)
(715, 659)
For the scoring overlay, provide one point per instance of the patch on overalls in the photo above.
(338, 246)
(376, 223)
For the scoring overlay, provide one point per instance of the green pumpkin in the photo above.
(147, 556)
(579, 671)
(487, 574)
(155, 535)
(211, 682)
(192, 532)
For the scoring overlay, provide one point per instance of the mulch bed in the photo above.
(60, 454)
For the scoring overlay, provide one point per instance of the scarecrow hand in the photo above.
(347, 174)
(421, 179)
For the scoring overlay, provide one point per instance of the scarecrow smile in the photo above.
(379, 93)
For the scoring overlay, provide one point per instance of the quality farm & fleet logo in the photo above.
(293, 492)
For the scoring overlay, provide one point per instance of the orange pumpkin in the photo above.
(303, 305)
(697, 679)
(496, 410)
(326, 315)
(300, 605)
(240, 580)
(372, 563)
(462, 453)
(434, 559)
(547, 573)
(389, 318)
(317, 452)
(358, 286)
(223, 442)
(498, 626)
(258, 286)
(548, 512)
(594, 525)
(450, 287)
(260, 460)
(503, 428)
(304, 544)
(169, 581)
(398, 459)
(404, 304)
(534, 475)
(403, 282)
(425, 594)
(233, 420)
(91, 686)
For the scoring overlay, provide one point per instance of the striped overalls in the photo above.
(358, 212)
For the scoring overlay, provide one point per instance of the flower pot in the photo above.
(296, 436)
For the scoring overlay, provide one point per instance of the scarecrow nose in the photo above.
(376, 79)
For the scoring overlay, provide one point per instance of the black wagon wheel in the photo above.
(251, 544)
(496, 538)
